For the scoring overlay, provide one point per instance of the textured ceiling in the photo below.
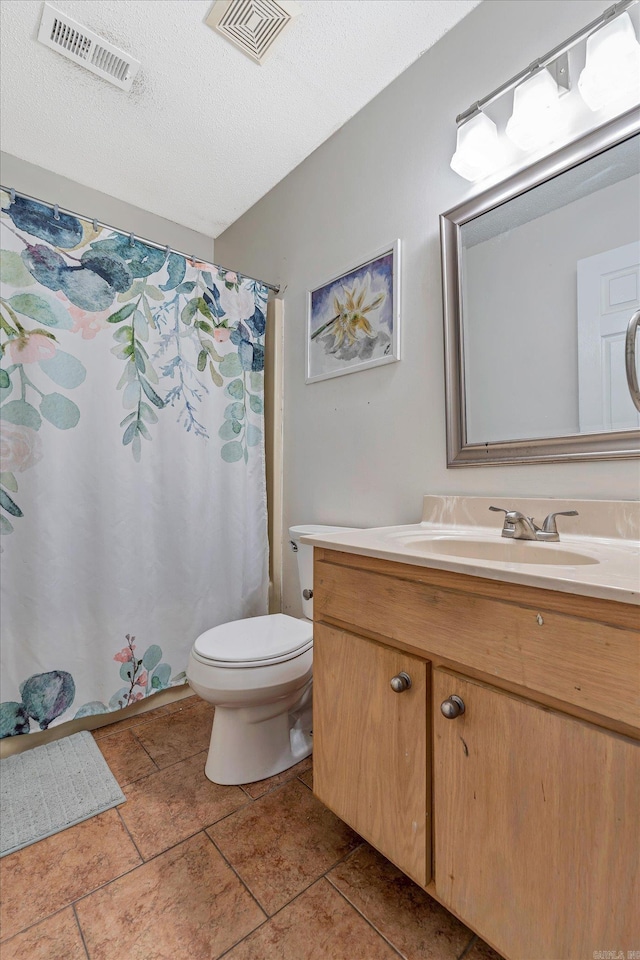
(205, 132)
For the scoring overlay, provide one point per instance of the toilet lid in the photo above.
(256, 640)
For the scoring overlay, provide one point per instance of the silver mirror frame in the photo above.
(622, 444)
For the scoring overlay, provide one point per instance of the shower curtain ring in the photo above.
(166, 252)
(131, 239)
(56, 212)
(193, 259)
(12, 195)
(95, 225)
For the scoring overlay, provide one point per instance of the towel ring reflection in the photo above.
(630, 358)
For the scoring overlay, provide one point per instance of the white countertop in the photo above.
(612, 574)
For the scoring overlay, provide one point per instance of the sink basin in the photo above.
(504, 551)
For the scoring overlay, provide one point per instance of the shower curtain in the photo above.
(132, 486)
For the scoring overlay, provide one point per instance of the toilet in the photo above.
(258, 674)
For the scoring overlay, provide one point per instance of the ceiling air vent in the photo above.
(252, 25)
(72, 40)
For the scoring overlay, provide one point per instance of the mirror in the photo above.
(541, 280)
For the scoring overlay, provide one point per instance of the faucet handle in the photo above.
(516, 525)
(508, 519)
(549, 529)
(511, 516)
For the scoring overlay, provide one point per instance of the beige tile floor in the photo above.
(188, 870)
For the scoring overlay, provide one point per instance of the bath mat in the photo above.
(52, 787)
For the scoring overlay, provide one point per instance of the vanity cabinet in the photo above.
(535, 811)
(531, 793)
(370, 745)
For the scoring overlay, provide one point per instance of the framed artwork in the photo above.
(353, 321)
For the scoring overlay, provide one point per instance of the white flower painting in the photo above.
(353, 320)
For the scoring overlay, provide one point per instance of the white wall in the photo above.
(364, 448)
(52, 188)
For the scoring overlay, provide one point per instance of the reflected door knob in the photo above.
(452, 707)
(307, 594)
(401, 682)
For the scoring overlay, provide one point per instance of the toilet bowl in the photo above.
(258, 674)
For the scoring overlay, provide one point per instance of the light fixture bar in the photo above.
(548, 58)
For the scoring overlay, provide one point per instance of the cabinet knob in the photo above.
(401, 682)
(307, 594)
(452, 707)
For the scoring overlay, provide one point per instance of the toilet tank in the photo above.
(304, 556)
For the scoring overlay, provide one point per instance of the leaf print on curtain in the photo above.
(132, 491)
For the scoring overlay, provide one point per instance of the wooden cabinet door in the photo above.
(536, 826)
(370, 745)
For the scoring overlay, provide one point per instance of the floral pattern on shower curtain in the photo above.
(132, 481)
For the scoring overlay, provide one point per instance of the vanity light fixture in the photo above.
(612, 70)
(478, 151)
(537, 117)
(540, 117)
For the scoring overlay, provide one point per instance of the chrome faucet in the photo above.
(518, 527)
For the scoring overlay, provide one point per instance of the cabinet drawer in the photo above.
(592, 665)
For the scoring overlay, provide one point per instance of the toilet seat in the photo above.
(255, 642)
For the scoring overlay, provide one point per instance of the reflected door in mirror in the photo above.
(608, 295)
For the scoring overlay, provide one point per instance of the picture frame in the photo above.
(353, 319)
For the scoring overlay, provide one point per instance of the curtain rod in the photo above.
(151, 243)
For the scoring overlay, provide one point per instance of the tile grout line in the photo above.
(310, 884)
(142, 721)
(469, 946)
(366, 919)
(276, 786)
(131, 726)
(137, 739)
(226, 953)
(158, 769)
(126, 873)
(244, 884)
(464, 953)
(321, 876)
(214, 823)
(157, 765)
(173, 763)
(269, 917)
(84, 942)
(128, 832)
(199, 829)
(305, 783)
(301, 893)
(49, 916)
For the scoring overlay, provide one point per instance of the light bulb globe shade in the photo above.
(478, 149)
(537, 117)
(612, 69)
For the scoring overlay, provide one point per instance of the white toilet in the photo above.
(258, 673)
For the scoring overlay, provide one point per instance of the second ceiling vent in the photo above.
(252, 25)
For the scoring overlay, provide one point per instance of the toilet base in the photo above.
(253, 743)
